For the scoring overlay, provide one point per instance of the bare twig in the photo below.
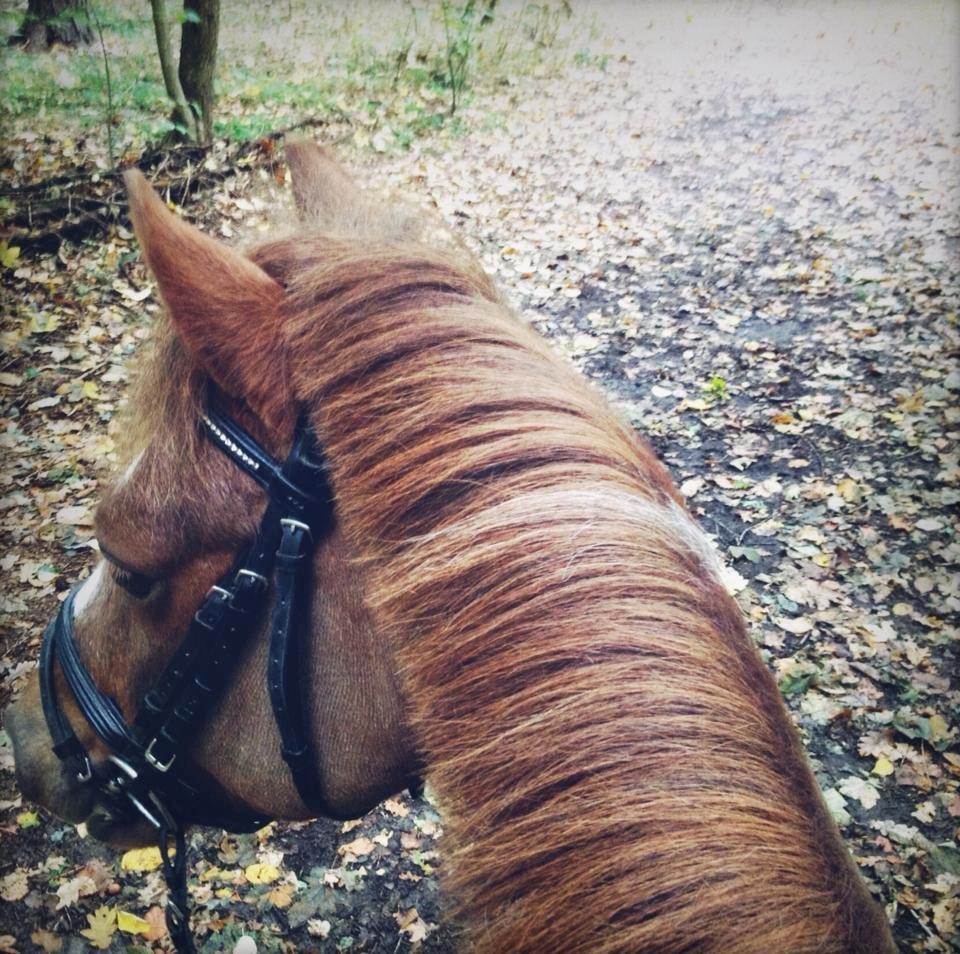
(92, 10)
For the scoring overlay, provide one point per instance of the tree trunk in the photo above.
(53, 21)
(198, 60)
(182, 118)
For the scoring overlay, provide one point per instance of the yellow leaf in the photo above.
(131, 924)
(9, 254)
(883, 767)
(90, 389)
(141, 859)
(811, 535)
(43, 323)
(28, 819)
(849, 490)
(939, 729)
(281, 896)
(261, 873)
(103, 925)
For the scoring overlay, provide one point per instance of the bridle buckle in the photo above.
(86, 773)
(291, 524)
(153, 761)
(258, 578)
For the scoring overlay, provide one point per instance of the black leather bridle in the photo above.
(147, 774)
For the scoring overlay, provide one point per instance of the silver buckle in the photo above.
(297, 525)
(86, 773)
(258, 577)
(132, 774)
(149, 757)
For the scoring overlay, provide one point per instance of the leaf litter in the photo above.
(756, 259)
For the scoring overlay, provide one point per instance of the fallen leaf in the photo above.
(14, 886)
(43, 323)
(412, 925)
(733, 582)
(850, 490)
(103, 925)
(47, 940)
(359, 847)
(811, 535)
(141, 859)
(860, 789)
(882, 767)
(396, 807)
(132, 924)
(9, 255)
(797, 625)
(282, 895)
(261, 873)
(157, 920)
(75, 516)
(837, 805)
(99, 873)
(70, 892)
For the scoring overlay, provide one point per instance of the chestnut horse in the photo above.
(513, 601)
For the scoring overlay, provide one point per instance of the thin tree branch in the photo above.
(92, 12)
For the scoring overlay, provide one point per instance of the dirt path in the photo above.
(745, 230)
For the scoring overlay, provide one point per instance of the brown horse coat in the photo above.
(546, 624)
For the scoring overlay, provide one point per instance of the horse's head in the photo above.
(508, 587)
(175, 522)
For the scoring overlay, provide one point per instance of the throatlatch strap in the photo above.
(293, 561)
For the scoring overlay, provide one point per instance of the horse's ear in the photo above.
(324, 192)
(226, 309)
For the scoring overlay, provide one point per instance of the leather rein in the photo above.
(147, 774)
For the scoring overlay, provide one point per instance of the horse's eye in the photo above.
(136, 584)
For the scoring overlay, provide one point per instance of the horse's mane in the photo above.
(606, 743)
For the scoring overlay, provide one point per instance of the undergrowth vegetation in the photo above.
(395, 72)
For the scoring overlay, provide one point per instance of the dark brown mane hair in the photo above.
(606, 743)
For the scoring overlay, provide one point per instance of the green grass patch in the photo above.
(400, 72)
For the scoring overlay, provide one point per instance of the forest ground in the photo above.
(742, 222)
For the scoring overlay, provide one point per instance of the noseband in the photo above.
(146, 774)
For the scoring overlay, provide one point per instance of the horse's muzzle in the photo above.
(41, 776)
(44, 780)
